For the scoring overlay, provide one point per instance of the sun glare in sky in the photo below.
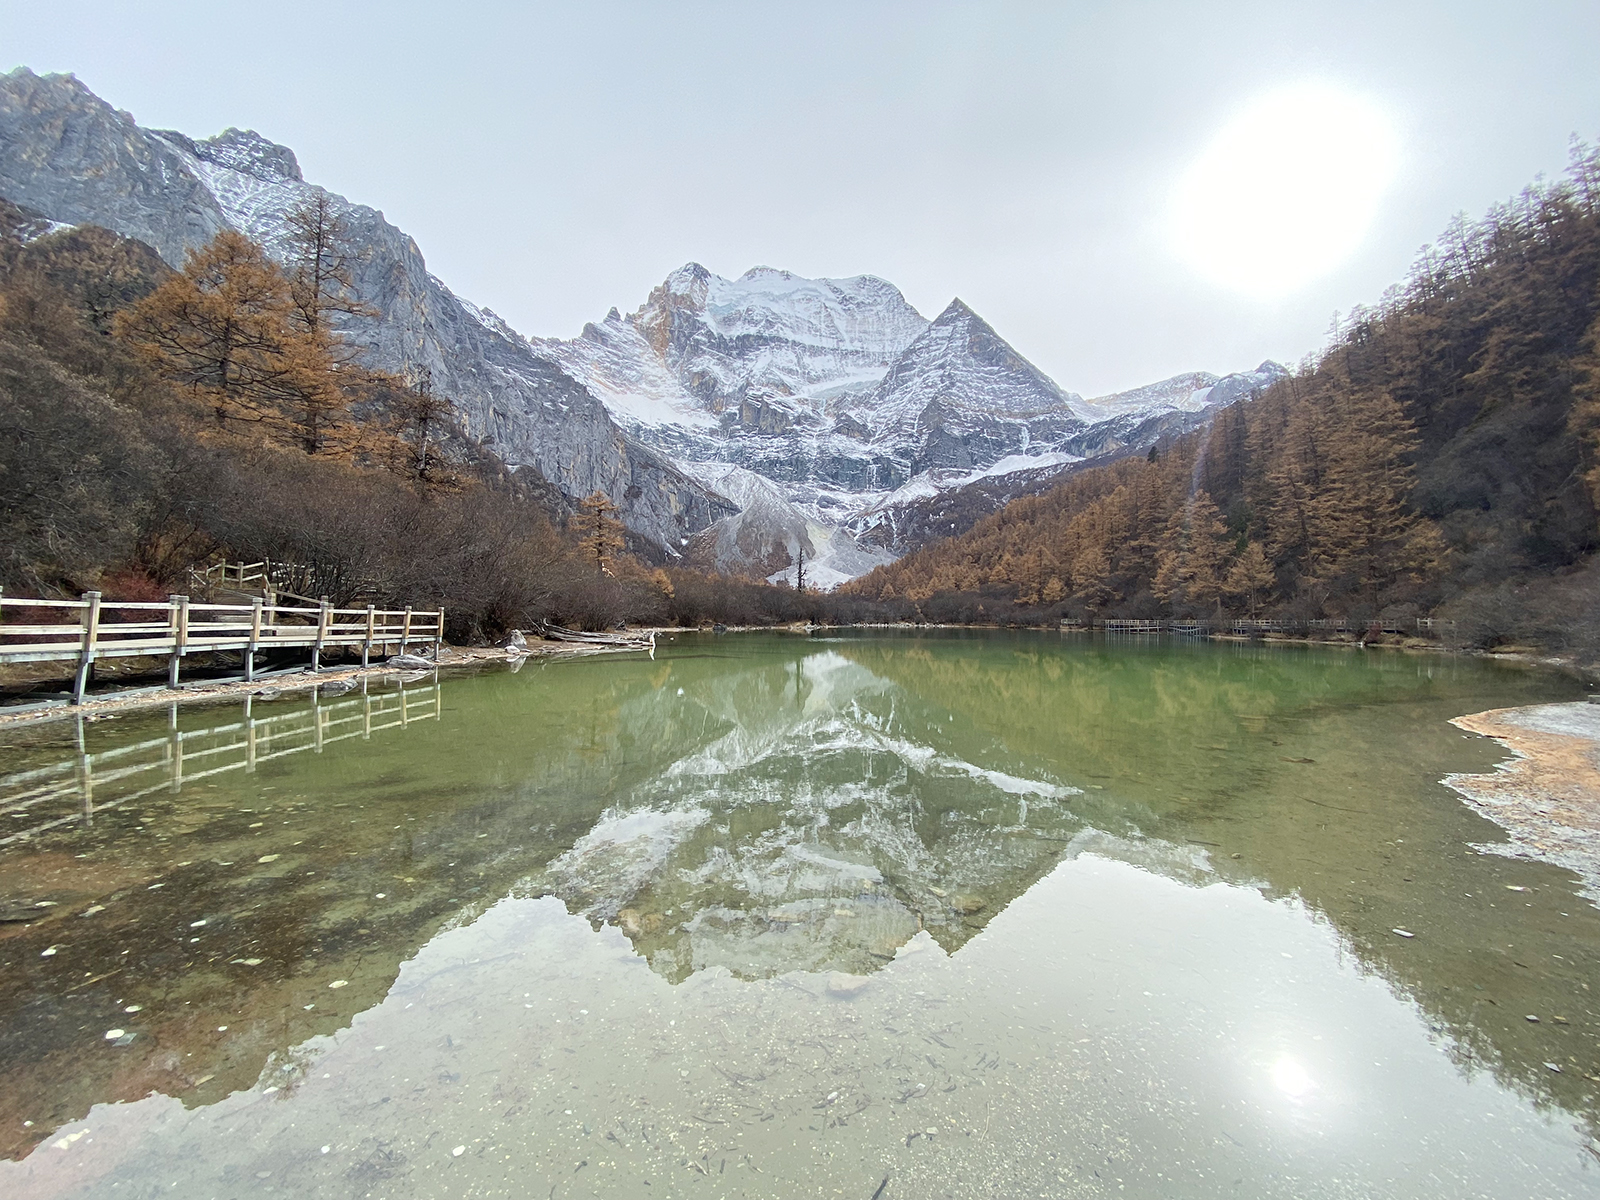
(1286, 191)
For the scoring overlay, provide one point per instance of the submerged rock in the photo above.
(846, 986)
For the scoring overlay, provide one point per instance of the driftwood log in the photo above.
(557, 633)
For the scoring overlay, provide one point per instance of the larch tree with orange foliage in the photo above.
(220, 328)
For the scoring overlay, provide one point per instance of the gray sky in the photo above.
(555, 160)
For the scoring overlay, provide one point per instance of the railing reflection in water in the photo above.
(88, 783)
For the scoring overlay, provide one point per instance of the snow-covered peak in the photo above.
(687, 285)
(960, 362)
(247, 151)
(860, 314)
(1186, 392)
(767, 352)
(1190, 392)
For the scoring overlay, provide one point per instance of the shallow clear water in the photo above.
(976, 914)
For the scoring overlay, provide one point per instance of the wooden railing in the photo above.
(92, 628)
(240, 576)
(271, 578)
(73, 790)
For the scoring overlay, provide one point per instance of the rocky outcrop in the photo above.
(67, 154)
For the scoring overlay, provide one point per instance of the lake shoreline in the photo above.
(452, 658)
(1547, 795)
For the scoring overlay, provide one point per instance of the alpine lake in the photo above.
(881, 916)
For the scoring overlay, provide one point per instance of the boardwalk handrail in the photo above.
(96, 628)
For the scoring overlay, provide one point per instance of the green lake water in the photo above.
(891, 916)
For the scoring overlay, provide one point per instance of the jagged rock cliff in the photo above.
(69, 155)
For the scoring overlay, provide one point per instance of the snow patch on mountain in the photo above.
(931, 483)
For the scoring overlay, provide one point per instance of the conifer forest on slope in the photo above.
(1440, 456)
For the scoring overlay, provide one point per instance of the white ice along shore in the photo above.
(737, 423)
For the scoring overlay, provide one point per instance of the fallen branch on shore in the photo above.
(557, 633)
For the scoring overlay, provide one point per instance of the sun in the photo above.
(1287, 191)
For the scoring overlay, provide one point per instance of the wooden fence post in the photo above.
(366, 646)
(91, 634)
(180, 635)
(255, 639)
(438, 637)
(405, 631)
(322, 632)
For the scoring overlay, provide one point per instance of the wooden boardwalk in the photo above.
(83, 631)
(72, 790)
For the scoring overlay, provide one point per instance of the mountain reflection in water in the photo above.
(789, 808)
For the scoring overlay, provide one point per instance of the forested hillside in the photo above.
(1441, 455)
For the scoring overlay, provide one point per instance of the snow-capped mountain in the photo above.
(961, 398)
(852, 409)
(740, 421)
